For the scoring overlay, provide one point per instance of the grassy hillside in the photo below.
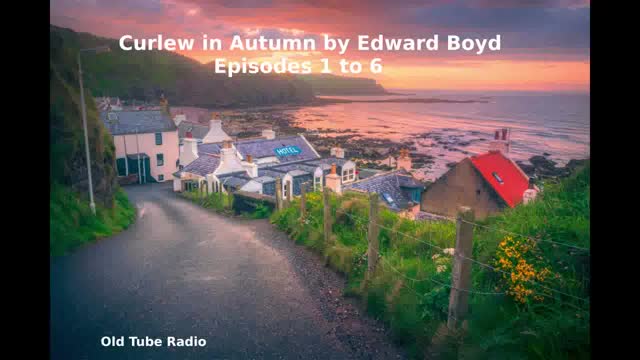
(144, 75)
(71, 222)
(512, 312)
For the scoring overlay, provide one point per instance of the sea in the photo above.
(553, 124)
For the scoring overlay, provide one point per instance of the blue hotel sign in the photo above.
(288, 151)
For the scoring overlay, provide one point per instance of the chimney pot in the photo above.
(333, 169)
(504, 134)
(249, 158)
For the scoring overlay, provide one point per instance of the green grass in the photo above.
(72, 224)
(407, 290)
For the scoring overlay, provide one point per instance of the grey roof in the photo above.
(260, 148)
(142, 121)
(203, 165)
(270, 173)
(296, 173)
(234, 181)
(365, 173)
(328, 161)
(293, 166)
(197, 131)
(390, 183)
(264, 179)
(210, 148)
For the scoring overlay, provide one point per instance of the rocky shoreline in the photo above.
(370, 152)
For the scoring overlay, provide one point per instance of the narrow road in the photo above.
(182, 271)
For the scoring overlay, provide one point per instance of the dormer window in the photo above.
(497, 177)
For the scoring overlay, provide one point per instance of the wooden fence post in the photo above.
(303, 201)
(289, 195)
(461, 271)
(326, 207)
(372, 237)
(220, 188)
(278, 194)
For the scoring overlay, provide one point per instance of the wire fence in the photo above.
(549, 292)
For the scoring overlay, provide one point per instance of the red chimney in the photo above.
(188, 134)
(504, 134)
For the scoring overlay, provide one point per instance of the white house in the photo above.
(146, 143)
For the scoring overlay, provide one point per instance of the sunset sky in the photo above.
(545, 43)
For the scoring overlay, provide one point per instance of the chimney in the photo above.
(268, 134)
(332, 181)
(337, 151)
(229, 159)
(188, 135)
(251, 167)
(501, 142)
(404, 160)
(215, 134)
(189, 151)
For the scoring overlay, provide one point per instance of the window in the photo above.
(160, 177)
(317, 183)
(348, 175)
(495, 175)
(160, 159)
(158, 138)
(285, 190)
(112, 116)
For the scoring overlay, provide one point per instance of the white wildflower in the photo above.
(441, 268)
(435, 256)
(449, 251)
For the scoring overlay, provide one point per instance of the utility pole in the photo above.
(95, 50)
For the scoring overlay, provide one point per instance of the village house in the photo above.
(188, 129)
(108, 103)
(146, 143)
(254, 164)
(399, 190)
(488, 183)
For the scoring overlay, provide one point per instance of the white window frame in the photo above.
(317, 183)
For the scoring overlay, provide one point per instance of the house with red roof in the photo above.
(488, 183)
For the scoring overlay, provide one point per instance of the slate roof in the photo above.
(144, 121)
(233, 181)
(210, 148)
(390, 183)
(260, 148)
(328, 161)
(264, 179)
(203, 165)
(197, 131)
(365, 173)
